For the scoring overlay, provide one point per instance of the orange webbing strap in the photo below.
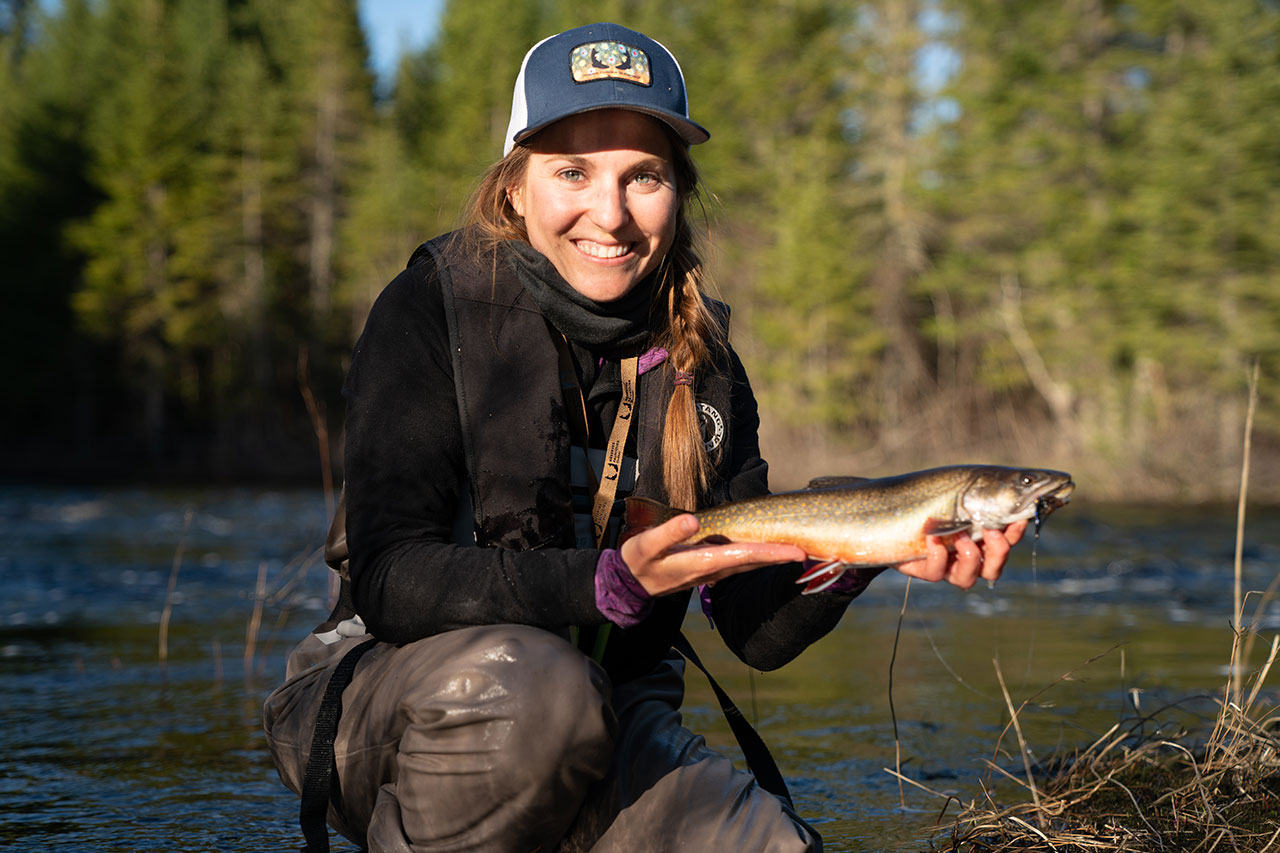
(603, 505)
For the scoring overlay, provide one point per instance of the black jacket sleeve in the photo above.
(405, 478)
(761, 615)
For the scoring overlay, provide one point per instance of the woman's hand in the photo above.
(970, 560)
(662, 565)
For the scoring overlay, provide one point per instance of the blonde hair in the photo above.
(689, 333)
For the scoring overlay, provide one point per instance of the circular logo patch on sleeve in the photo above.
(712, 425)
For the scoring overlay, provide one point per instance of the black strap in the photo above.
(460, 392)
(320, 782)
(759, 760)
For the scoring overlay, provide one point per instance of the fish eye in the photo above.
(1027, 479)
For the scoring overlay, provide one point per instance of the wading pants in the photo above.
(506, 738)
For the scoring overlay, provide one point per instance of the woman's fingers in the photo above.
(934, 566)
(662, 565)
(963, 571)
(996, 545)
(1014, 531)
(966, 561)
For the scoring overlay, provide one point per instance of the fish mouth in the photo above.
(1048, 501)
(1051, 490)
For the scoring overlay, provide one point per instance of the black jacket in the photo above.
(407, 476)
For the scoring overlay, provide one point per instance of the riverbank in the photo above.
(1175, 472)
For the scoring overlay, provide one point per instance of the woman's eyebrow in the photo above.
(559, 160)
(654, 162)
(579, 161)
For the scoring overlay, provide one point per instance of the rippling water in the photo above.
(105, 748)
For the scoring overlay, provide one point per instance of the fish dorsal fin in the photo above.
(945, 526)
(834, 482)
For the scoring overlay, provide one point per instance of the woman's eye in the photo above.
(571, 174)
(647, 179)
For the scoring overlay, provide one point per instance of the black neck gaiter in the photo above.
(621, 324)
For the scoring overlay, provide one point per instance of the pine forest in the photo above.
(950, 230)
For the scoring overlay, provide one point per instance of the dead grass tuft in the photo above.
(1139, 790)
(1142, 792)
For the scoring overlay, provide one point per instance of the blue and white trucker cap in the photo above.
(598, 67)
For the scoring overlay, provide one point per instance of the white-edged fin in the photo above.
(821, 583)
(818, 570)
(822, 575)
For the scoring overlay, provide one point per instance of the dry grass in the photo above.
(1137, 788)
(1143, 792)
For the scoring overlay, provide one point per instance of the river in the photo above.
(108, 746)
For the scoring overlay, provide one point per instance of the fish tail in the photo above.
(643, 513)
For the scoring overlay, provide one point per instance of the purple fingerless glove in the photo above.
(847, 582)
(619, 596)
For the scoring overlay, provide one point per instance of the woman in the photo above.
(511, 385)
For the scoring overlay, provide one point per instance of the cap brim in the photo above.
(690, 131)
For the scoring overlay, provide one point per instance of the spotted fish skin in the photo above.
(846, 522)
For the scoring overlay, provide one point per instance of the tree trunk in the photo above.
(323, 208)
(905, 376)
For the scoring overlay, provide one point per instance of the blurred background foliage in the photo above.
(951, 230)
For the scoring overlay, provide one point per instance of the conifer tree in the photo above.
(771, 82)
(47, 86)
(1109, 215)
(1028, 185)
(474, 63)
(144, 134)
(396, 201)
(443, 127)
(1203, 271)
(318, 53)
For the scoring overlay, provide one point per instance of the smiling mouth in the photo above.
(599, 250)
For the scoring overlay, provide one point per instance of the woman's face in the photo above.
(599, 199)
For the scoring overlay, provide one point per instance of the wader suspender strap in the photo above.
(759, 761)
(320, 784)
(607, 486)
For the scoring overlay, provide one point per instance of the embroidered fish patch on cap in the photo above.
(610, 60)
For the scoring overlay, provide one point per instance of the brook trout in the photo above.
(848, 522)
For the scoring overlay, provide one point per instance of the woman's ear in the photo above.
(516, 197)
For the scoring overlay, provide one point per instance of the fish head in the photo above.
(997, 496)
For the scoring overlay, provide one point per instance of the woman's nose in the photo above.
(609, 207)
